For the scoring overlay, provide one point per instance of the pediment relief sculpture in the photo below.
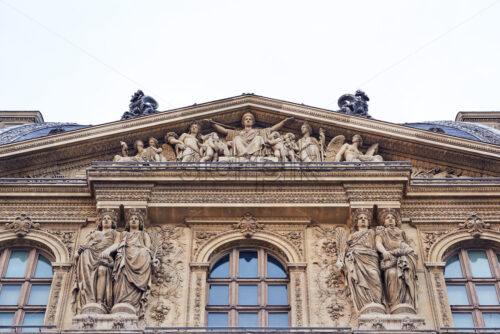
(249, 144)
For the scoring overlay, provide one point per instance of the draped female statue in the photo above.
(93, 271)
(398, 263)
(133, 266)
(359, 259)
(188, 144)
(310, 149)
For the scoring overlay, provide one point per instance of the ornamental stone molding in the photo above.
(22, 225)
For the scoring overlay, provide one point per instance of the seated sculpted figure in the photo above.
(359, 259)
(352, 153)
(140, 156)
(399, 262)
(248, 142)
(291, 147)
(93, 272)
(277, 146)
(153, 151)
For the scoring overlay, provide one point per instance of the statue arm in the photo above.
(341, 152)
(278, 126)
(380, 247)
(218, 127)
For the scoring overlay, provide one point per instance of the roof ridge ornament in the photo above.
(140, 105)
(356, 104)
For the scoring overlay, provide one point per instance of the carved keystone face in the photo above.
(390, 220)
(362, 221)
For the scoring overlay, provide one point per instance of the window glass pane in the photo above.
(452, 269)
(10, 294)
(248, 264)
(17, 264)
(33, 319)
(274, 268)
(479, 264)
(277, 295)
(39, 295)
(457, 295)
(217, 319)
(248, 319)
(491, 319)
(221, 268)
(487, 295)
(6, 319)
(43, 268)
(278, 319)
(248, 295)
(219, 295)
(462, 320)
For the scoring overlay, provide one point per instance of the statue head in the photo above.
(290, 136)
(361, 218)
(139, 145)
(107, 219)
(134, 217)
(306, 128)
(357, 139)
(153, 142)
(389, 218)
(248, 119)
(275, 134)
(194, 128)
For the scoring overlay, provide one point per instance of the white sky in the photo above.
(80, 61)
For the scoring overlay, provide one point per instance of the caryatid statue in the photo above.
(398, 263)
(359, 259)
(249, 141)
(93, 283)
(133, 266)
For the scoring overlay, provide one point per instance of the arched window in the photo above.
(246, 288)
(473, 284)
(25, 279)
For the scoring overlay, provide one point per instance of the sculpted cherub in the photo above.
(291, 147)
(212, 146)
(277, 146)
(337, 150)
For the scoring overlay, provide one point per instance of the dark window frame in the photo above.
(262, 281)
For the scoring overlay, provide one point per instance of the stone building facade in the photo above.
(250, 211)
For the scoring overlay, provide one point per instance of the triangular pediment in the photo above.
(69, 154)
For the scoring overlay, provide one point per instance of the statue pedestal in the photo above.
(119, 322)
(391, 322)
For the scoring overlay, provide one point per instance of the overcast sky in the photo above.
(80, 61)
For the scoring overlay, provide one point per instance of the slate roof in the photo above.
(35, 130)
